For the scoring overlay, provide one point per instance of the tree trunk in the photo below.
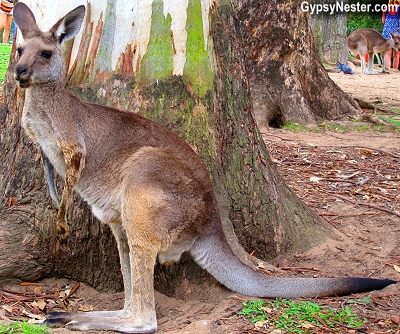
(287, 79)
(204, 97)
(330, 33)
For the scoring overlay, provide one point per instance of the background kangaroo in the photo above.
(141, 179)
(368, 41)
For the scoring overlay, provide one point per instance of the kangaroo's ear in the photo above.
(25, 20)
(67, 27)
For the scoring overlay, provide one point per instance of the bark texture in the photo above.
(330, 32)
(287, 79)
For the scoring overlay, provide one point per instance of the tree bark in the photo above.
(206, 100)
(330, 33)
(287, 79)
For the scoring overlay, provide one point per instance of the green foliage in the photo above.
(5, 50)
(357, 20)
(332, 126)
(295, 127)
(390, 120)
(299, 317)
(22, 328)
(254, 310)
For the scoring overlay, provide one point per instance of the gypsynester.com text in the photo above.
(341, 7)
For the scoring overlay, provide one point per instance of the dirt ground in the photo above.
(351, 179)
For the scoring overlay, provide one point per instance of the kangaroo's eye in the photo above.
(19, 52)
(46, 54)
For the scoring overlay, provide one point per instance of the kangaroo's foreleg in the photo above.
(74, 156)
(363, 67)
(384, 53)
(50, 182)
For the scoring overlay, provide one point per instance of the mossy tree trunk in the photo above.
(185, 69)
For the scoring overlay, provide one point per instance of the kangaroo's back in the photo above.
(140, 178)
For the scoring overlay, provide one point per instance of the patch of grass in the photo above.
(390, 120)
(396, 110)
(5, 50)
(358, 126)
(22, 328)
(296, 127)
(362, 127)
(299, 317)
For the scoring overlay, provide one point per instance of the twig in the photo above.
(395, 155)
(299, 269)
(72, 291)
(366, 204)
(272, 135)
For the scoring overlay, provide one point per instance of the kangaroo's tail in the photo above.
(213, 253)
(345, 51)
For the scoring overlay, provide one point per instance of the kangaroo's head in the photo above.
(395, 41)
(40, 60)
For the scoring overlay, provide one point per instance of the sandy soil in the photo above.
(370, 238)
(382, 88)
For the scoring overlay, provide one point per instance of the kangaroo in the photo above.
(368, 41)
(143, 180)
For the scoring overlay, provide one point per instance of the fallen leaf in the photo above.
(41, 304)
(33, 316)
(266, 309)
(397, 268)
(259, 324)
(315, 179)
(395, 318)
(365, 151)
(38, 290)
(9, 309)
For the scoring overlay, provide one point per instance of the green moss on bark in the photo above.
(157, 62)
(197, 69)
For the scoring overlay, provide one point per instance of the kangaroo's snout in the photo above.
(21, 74)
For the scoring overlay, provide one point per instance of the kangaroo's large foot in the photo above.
(113, 320)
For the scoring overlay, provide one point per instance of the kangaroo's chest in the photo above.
(40, 129)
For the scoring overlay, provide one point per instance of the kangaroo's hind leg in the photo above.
(384, 55)
(370, 62)
(139, 246)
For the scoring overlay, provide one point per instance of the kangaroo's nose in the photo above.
(20, 71)
(21, 74)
